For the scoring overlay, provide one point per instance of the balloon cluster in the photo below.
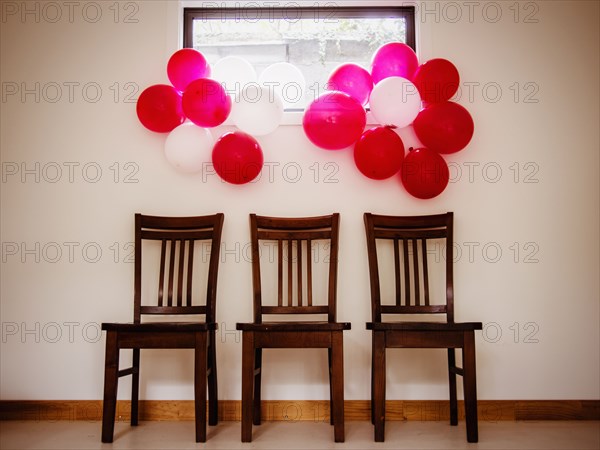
(204, 99)
(400, 93)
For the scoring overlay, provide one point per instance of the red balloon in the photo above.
(334, 120)
(437, 80)
(353, 80)
(424, 173)
(206, 103)
(394, 59)
(185, 66)
(379, 153)
(159, 108)
(444, 127)
(237, 157)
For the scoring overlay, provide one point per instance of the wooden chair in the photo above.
(291, 233)
(177, 237)
(409, 237)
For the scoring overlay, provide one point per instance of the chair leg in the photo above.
(378, 400)
(200, 360)
(135, 387)
(470, 386)
(213, 392)
(330, 387)
(337, 377)
(452, 384)
(247, 384)
(111, 380)
(257, 385)
(372, 379)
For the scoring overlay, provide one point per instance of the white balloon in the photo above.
(257, 110)
(287, 81)
(233, 73)
(188, 146)
(395, 101)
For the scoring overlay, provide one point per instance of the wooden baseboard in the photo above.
(304, 410)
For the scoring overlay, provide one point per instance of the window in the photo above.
(314, 39)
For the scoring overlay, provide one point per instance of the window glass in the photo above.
(315, 40)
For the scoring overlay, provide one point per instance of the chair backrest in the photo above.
(177, 237)
(300, 237)
(409, 236)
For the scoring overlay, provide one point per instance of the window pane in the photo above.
(315, 41)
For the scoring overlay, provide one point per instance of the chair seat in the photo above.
(423, 326)
(157, 327)
(294, 326)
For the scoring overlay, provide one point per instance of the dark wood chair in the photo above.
(299, 237)
(177, 237)
(409, 237)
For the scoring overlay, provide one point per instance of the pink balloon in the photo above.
(437, 80)
(444, 127)
(334, 120)
(237, 157)
(379, 153)
(353, 80)
(394, 59)
(206, 103)
(159, 108)
(185, 66)
(424, 173)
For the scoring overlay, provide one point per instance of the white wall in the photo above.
(553, 301)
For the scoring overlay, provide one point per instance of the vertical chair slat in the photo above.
(299, 263)
(188, 294)
(416, 272)
(290, 276)
(161, 281)
(425, 271)
(280, 273)
(406, 273)
(171, 272)
(180, 273)
(309, 271)
(397, 272)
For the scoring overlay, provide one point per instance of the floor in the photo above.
(302, 435)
